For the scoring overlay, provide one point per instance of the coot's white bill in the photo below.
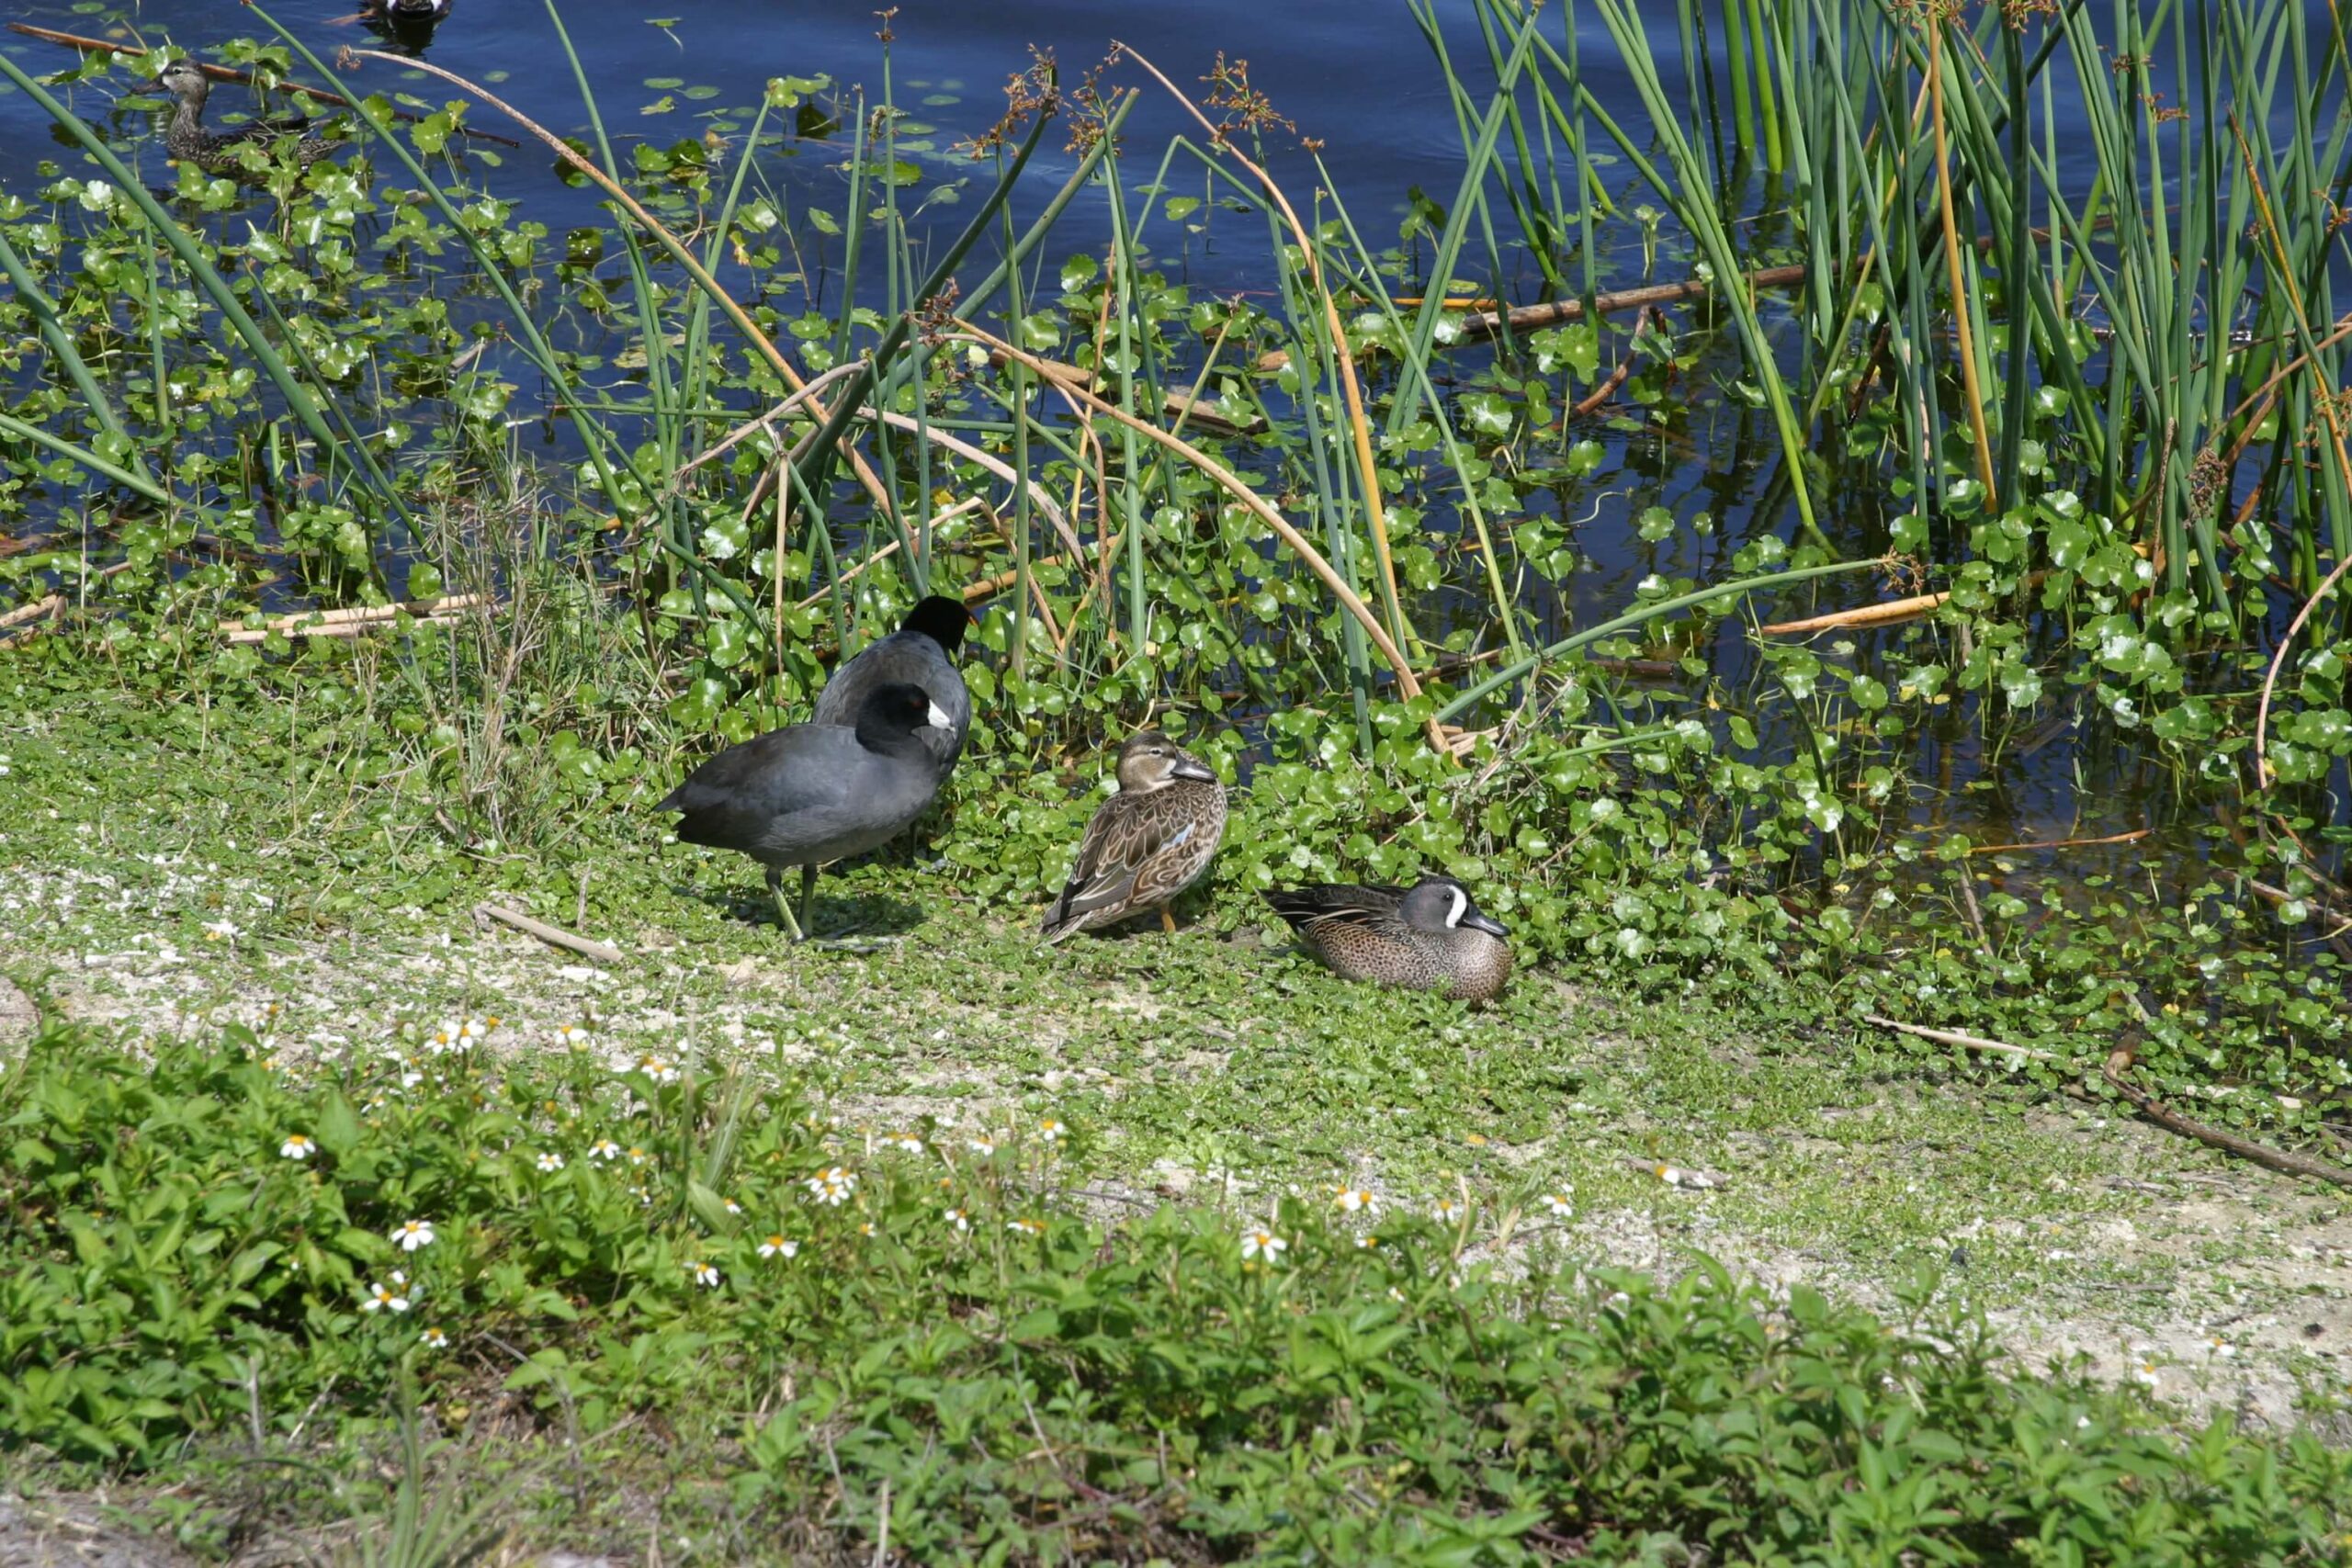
(938, 718)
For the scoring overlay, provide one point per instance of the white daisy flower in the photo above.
(605, 1151)
(571, 1034)
(1263, 1244)
(1355, 1201)
(703, 1274)
(381, 1297)
(434, 1339)
(959, 1218)
(659, 1068)
(1052, 1130)
(907, 1143)
(297, 1145)
(778, 1246)
(983, 1147)
(411, 1235)
(831, 1186)
(1558, 1204)
(550, 1162)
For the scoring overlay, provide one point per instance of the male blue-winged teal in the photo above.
(1430, 938)
(223, 153)
(922, 652)
(815, 793)
(1147, 843)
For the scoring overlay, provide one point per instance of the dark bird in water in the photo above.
(920, 652)
(224, 154)
(1147, 843)
(815, 793)
(1431, 939)
(408, 23)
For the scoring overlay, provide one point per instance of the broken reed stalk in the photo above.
(761, 343)
(1406, 682)
(2133, 837)
(1359, 427)
(2118, 1062)
(1205, 411)
(2121, 1061)
(554, 936)
(49, 604)
(1966, 1041)
(229, 74)
(440, 612)
(1527, 317)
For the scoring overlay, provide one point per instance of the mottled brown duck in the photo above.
(1147, 843)
(223, 153)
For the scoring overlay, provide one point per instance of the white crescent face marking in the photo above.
(938, 718)
(1461, 908)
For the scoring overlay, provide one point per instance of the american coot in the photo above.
(921, 652)
(813, 792)
(1431, 939)
(215, 153)
(1146, 844)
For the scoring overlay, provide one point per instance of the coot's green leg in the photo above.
(807, 901)
(782, 905)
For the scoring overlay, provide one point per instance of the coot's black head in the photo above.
(1440, 903)
(942, 619)
(894, 712)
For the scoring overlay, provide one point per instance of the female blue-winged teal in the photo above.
(815, 792)
(1431, 939)
(217, 153)
(922, 652)
(1147, 843)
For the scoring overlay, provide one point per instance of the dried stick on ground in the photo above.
(554, 936)
(2119, 1061)
(49, 604)
(1966, 1041)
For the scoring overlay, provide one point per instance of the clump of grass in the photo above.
(917, 1336)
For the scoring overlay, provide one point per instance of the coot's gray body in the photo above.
(814, 794)
(921, 653)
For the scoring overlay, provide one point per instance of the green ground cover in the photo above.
(1880, 1324)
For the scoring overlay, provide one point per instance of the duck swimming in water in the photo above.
(223, 153)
